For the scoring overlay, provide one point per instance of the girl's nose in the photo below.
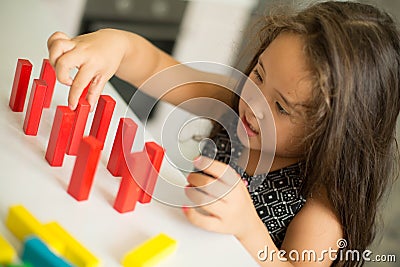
(259, 114)
(257, 109)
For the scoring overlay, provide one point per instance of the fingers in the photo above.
(199, 180)
(217, 169)
(207, 222)
(74, 60)
(82, 79)
(59, 44)
(198, 197)
(205, 203)
(95, 90)
(95, 87)
(211, 186)
(67, 54)
(56, 36)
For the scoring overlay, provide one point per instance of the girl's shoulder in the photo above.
(316, 226)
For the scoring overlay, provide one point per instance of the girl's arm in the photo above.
(101, 54)
(315, 228)
(311, 238)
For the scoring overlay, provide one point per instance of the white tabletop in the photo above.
(26, 178)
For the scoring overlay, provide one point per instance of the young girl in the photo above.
(330, 74)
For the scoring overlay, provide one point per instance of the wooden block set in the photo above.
(50, 245)
(138, 171)
(44, 245)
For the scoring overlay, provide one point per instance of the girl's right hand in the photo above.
(96, 55)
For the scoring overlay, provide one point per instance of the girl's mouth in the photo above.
(250, 130)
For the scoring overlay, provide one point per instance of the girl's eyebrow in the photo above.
(287, 102)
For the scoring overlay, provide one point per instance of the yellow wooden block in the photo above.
(22, 224)
(74, 252)
(7, 252)
(150, 252)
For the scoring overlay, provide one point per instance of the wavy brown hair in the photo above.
(353, 52)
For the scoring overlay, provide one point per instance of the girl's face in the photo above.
(281, 76)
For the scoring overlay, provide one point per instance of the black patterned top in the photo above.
(276, 195)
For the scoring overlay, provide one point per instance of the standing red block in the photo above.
(20, 85)
(48, 75)
(59, 135)
(85, 168)
(155, 155)
(102, 118)
(78, 127)
(122, 145)
(35, 107)
(129, 190)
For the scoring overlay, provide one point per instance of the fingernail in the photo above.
(197, 160)
(184, 208)
(245, 182)
(71, 107)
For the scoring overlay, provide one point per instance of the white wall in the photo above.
(212, 30)
(67, 13)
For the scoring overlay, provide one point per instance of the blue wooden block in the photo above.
(18, 265)
(37, 254)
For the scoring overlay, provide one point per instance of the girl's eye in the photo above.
(281, 109)
(257, 74)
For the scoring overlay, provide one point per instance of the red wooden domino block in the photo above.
(59, 135)
(102, 118)
(155, 155)
(78, 127)
(122, 145)
(20, 85)
(35, 107)
(49, 76)
(85, 168)
(129, 190)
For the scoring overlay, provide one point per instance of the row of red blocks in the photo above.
(41, 94)
(139, 171)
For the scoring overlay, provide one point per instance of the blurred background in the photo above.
(205, 30)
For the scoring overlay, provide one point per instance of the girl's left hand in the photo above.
(223, 202)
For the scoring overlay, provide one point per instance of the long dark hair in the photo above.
(353, 52)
